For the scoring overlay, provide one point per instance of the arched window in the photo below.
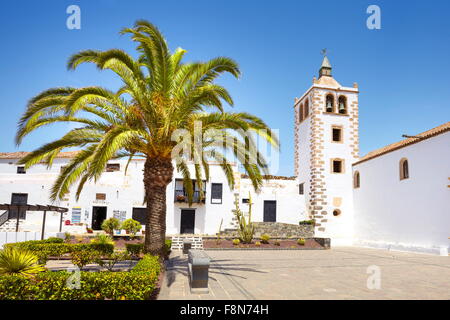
(306, 110)
(329, 103)
(301, 113)
(342, 105)
(404, 169)
(356, 180)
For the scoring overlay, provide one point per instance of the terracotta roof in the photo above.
(406, 142)
(328, 81)
(21, 154)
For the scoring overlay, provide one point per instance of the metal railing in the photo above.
(4, 217)
(181, 196)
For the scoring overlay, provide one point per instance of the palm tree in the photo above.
(160, 95)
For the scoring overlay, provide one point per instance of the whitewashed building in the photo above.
(396, 197)
(121, 195)
(402, 194)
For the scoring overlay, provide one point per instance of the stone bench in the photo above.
(198, 268)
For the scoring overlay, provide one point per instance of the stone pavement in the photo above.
(338, 273)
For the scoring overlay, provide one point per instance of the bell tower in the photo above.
(326, 145)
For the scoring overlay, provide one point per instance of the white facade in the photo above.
(406, 214)
(124, 194)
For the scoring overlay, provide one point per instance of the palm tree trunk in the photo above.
(157, 175)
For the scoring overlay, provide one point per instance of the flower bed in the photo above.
(138, 284)
(283, 244)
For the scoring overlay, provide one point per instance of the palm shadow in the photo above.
(178, 266)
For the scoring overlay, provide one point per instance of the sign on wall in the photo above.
(76, 215)
(120, 215)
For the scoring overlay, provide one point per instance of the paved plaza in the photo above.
(338, 273)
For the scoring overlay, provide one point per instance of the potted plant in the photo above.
(131, 226)
(181, 198)
(111, 224)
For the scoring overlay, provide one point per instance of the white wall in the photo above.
(410, 214)
(290, 205)
(13, 237)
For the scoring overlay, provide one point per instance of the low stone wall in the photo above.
(276, 230)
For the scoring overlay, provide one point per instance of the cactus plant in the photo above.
(246, 228)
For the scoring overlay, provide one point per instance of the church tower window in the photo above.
(329, 103)
(342, 104)
(337, 165)
(306, 110)
(336, 134)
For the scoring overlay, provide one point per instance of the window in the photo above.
(21, 170)
(140, 214)
(337, 165)
(336, 133)
(329, 103)
(216, 193)
(100, 196)
(342, 105)
(246, 200)
(301, 113)
(306, 110)
(111, 167)
(404, 169)
(356, 180)
(301, 188)
(336, 212)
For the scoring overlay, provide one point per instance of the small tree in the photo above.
(111, 224)
(246, 229)
(132, 226)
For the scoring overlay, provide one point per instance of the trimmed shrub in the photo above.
(111, 224)
(134, 249)
(257, 243)
(236, 242)
(265, 238)
(146, 264)
(137, 285)
(45, 250)
(132, 226)
(301, 242)
(82, 257)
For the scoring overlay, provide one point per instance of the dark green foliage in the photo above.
(138, 284)
(134, 249)
(307, 222)
(148, 262)
(45, 249)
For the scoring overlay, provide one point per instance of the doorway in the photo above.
(98, 216)
(187, 223)
(18, 199)
(270, 211)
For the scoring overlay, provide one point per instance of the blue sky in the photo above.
(402, 70)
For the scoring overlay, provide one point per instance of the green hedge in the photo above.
(138, 284)
(59, 249)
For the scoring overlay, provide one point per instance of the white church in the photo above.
(396, 197)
